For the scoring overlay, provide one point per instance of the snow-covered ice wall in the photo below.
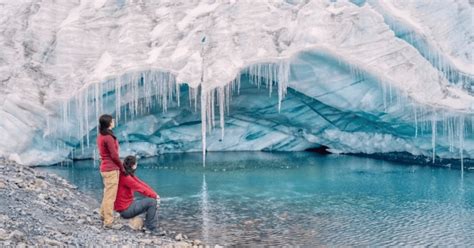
(355, 76)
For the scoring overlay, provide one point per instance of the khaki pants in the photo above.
(110, 179)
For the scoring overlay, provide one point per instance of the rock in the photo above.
(39, 185)
(4, 218)
(146, 241)
(40, 176)
(16, 180)
(48, 242)
(197, 242)
(181, 244)
(3, 184)
(136, 223)
(43, 196)
(20, 245)
(17, 236)
(53, 199)
(94, 229)
(3, 234)
(113, 238)
(185, 237)
(179, 237)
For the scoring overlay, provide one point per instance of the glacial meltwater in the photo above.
(300, 198)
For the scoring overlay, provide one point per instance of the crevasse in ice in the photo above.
(368, 77)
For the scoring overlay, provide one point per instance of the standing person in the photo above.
(110, 167)
(129, 207)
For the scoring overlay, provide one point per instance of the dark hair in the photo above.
(104, 123)
(128, 163)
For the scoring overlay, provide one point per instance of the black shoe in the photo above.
(155, 232)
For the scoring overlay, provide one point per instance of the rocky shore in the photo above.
(42, 209)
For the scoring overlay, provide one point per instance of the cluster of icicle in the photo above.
(436, 59)
(262, 74)
(143, 91)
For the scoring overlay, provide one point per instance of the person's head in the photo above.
(130, 165)
(106, 123)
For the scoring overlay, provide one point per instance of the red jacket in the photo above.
(127, 186)
(108, 150)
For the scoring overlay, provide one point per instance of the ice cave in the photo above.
(360, 77)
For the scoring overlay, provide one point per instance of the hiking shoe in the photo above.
(155, 232)
(113, 226)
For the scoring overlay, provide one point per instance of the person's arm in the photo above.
(147, 186)
(110, 143)
(143, 183)
(135, 185)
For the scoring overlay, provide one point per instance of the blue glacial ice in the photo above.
(351, 112)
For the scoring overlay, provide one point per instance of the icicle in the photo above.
(212, 107)
(117, 100)
(97, 103)
(283, 74)
(450, 135)
(178, 93)
(416, 123)
(146, 92)
(221, 110)
(461, 141)
(203, 124)
(208, 111)
(48, 127)
(433, 135)
(270, 78)
(472, 124)
(227, 97)
(238, 85)
(86, 100)
(101, 93)
(384, 96)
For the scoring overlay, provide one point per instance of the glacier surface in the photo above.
(371, 77)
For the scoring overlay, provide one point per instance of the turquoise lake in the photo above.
(301, 198)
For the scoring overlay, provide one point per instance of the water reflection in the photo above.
(205, 210)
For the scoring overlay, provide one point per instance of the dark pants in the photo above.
(145, 205)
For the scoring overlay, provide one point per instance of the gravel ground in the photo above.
(42, 209)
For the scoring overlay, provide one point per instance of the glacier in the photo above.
(357, 77)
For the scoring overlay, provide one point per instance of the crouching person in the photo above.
(126, 205)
